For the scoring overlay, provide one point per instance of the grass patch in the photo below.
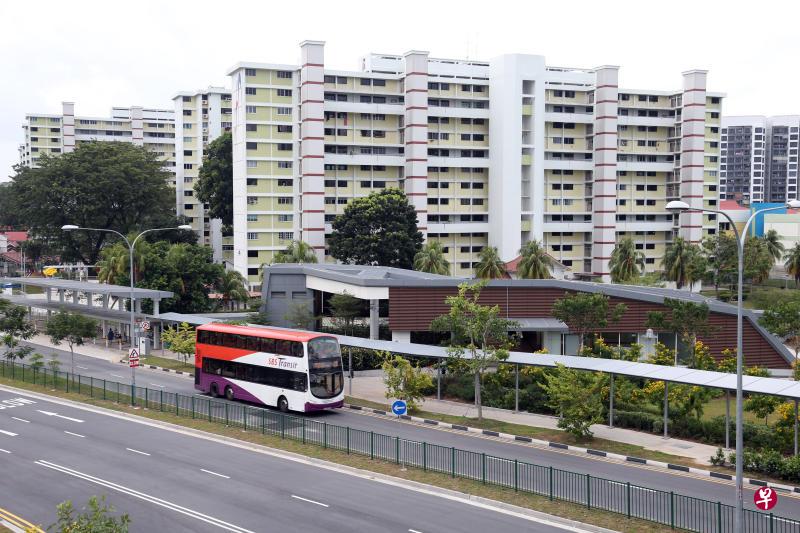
(548, 434)
(531, 501)
(716, 407)
(165, 362)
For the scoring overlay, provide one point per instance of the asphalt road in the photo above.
(170, 481)
(681, 483)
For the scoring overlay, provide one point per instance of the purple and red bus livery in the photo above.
(290, 370)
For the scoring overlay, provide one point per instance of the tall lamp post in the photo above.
(131, 246)
(678, 207)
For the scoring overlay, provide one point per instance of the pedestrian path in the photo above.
(372, 388)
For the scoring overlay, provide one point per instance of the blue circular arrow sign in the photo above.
(399, 407)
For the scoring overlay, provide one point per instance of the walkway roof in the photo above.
(88, 286)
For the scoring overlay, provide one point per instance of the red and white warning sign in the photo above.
(133, 357)
(765, 498)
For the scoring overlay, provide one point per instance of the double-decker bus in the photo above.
(290, 370)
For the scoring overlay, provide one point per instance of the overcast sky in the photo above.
(105, 53)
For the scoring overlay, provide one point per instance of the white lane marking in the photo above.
(4, 451)
(75, 434)
(82, 367)
(136, 451)
(115, 375)
(21, 419)
(146, 497)
(414, 531)
(310, 501)
(4, 432)
(48, 413)
(214, 473)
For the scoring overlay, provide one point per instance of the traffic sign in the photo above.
(145, 326)
(133, 357)
(765, 498)
(399, 407)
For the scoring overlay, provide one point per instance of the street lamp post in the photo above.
(678, 207)
(131, 246)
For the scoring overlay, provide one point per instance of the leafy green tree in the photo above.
(783, 319)
(113, 185)
(15, 327)
(662, 356)
(792, 262)
(96, 518)
(54, 363)
(627, 263)
(344, 311)
(722, 254)
(260, 317)
(296, 252)
(534, 262)
(300, 317)
(584, 312)
(757, 260)
(187, 270)
(36, 362)
(683, 263)
(576, 397)
(214, 184)
(405, 381)
(775, 248)
(71, 328)
(114, 263)
(489, 265)
(380, 229)
(686, 319)
(233, 288)
(431, 259)
(181, 340)
(761, 405)
(479, 334)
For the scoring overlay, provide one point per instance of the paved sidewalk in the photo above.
(372, 388)
(98, 349)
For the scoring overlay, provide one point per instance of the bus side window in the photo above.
(267, 345)
(297, 349)
(282, 347)
(252, 343)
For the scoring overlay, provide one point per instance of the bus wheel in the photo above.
(283, 404)
(213, 391)
(229, 393)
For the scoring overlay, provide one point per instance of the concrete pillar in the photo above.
(666, 409)
(439, 379)
(49, 294)
(89, 298)
(312, 147)
(138, 305)
(61, 295)
(415, 134)
(727, 420)
(795, 426)
(401, 336)
(373, 319)
(105, 301)
(68, 126)
(516, 388)
(156, 303)
(611, 403)
(693, 131)
(604, 191)
(156, 336)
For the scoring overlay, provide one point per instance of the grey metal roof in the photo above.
(194, 320)
(540, 324)
(54, 305)
(374, 276)
(88, 286)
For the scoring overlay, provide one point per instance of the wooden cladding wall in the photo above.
(413, 309)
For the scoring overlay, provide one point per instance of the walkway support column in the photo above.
(727, 420)
(795, 426)
(373, 319)
(439, 379)
(516, 388)
(611, 403)
(666, 409)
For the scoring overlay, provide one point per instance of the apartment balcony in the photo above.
(458, 227)
(581, 118)
(394, 108)
(645, 225)
(459, 162)
(568, 164)
(629, 120)
(527, 110)
(458, 112)
(632, 166)
(365, 159)
(576, 227)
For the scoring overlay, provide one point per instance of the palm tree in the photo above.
(680, 262)
(431, 259)
(296, 252)
(626, 261)
(535, 263)
(774, 245)
(792, 262)
(490, 265)
(233, 287)
(114, 263)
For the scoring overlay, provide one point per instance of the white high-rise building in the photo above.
(490, 153)
(200, 117)
(759, 158)
(55, 134)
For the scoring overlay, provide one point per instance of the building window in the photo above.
(251, 127)
(250, 90)
(252, 236)
(252, 200)
(285, 218)
(249, 72)
(252, 146)
(252, 164)
(285, 200)
(284, 92)
(250, 109)
(284, 110)
(285, 235)
(284, 164)
(285, 74)
(252, 218)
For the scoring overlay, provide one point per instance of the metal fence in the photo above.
(632, 501)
